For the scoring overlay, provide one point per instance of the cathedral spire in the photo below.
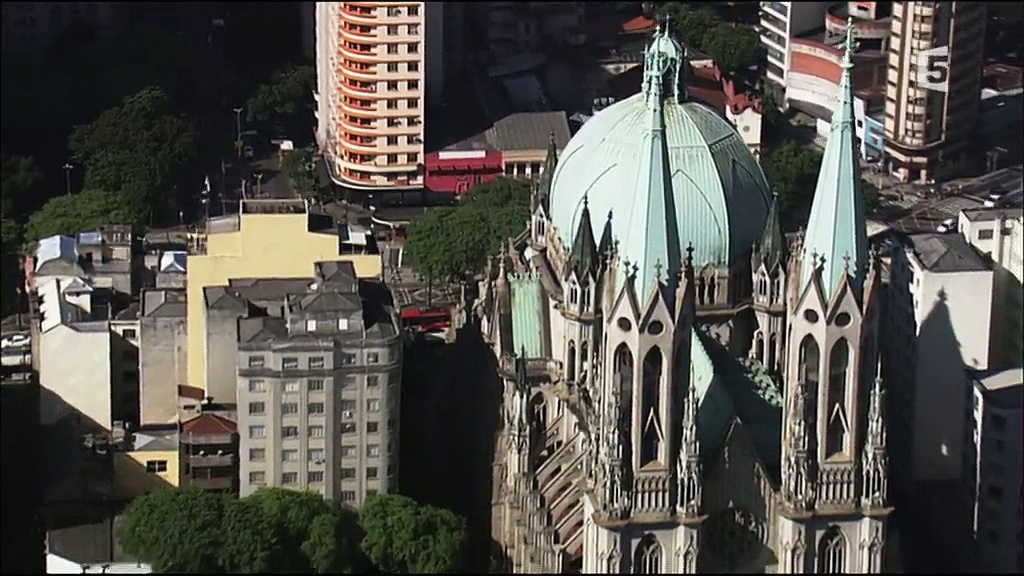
(772, 248)
(584, 257)
(688, 465)
(875, 465)
(542, 191)
(836, 225)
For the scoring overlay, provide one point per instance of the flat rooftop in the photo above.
(521, 131)
(1002, 388)
(947, 253)
(991, 214)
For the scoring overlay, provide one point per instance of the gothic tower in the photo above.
(541, 196)
(832, 520)
(768, 264)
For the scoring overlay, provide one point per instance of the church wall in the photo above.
(558, 331)
(805, 545)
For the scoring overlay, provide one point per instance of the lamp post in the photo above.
(238, 128)
(68, 167)
(259, 183)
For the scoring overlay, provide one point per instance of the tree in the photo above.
(689, 25)
(138, 150)
(252, 542)
(872, 196)
(176, 530)
(792, 173)
(87, 210)
(10, 271)
(447, 243)
(404, 537)
(23, 185)
(733, 47)
(288, 98)
(297, 165)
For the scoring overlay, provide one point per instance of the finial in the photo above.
(586, 201)
(625, 264)
(848, 45)
(551, 138)
(657, 270)
(689, 255)
(846, 263)
(635, 268)
(775, 194)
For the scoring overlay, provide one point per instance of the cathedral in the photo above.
(686, 389)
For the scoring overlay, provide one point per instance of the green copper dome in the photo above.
(669, 173)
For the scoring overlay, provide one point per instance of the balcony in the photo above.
(358, 14)
(211, 460)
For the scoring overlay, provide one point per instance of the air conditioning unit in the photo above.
(318, 462)
(348, 414)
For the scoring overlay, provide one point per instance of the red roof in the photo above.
(638, 24)
(208, 425)
(191, 392)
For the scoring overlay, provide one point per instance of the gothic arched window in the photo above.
(647, 559)
(838, 374)
(810, 360)
(773, 350)
(832, 552)
(759, 348)
(623, 372)
(650, 403)
(570, 362)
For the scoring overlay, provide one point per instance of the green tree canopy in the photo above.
(86, 210)
(404, 537)
(287, 98)
(253, 543)
(139, 150)
(690, 25)
(447, 243)
(23, 186)
(733, 47)
(297, 166)
(177, 530)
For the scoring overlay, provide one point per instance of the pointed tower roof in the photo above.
(835, 229)
(607, 239)
(548, 175)
(772, 248)
(584, 257)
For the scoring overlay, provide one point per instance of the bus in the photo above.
(426, 319)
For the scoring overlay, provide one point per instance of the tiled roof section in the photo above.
(164, 303)
(268, 289)
(261, 329)
(209, 424)
(528, 328)
(529, 131)
(56, 248)
(129, 313)
(191, 392)
(221, 298)
(330, 302)
(638, 25)
(947, 253)
(173, 261)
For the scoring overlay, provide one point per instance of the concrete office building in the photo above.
(781, 21)
(266, 239)
(999, 233)
(992, 468)
(372, 59)
(163, 344)
(940, 303)
(926, 130)
(318, 385)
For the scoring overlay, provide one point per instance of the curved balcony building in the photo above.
(370, 81)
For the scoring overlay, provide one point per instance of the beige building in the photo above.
(929, 130)
(163, 346)
(319, 369)
(372, 59)
(999, 233)
(29, 27)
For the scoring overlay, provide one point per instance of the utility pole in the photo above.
(259, 183)
(68, 167)
(238, 129)
(993, 158)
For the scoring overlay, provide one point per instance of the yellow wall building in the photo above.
(153, 462)
(268, 239)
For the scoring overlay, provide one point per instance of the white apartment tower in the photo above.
(780, 21)
(372, 59)
(926, 130)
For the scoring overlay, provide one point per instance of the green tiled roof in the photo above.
(528, 315)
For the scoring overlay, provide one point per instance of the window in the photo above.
(414, 10)
(289, 455)
(290, 478)
(373, 451)
(290, 364)
(372, 427)
(832, 553)
(394, 11)
(257, 431)
(647, 559)
(316, 454)
(371, 473)
(257, 454)
(412, 103)
(348, 405)
(315, 385)
(316, 408)
(290, 431)
(155, 466)
(372, 357)
(348, 473)
(348, 496)
(392, 30)
(257, 385)
(392, 86)
(392, 140)
(342, 323)
(316, 362)
(392, 66)
(414, 85)
(412, 48)
(257, 407)
(838, 366)
(372, 380)
(392, 48)
(348, 428)
(310, 325)
(347, 359)
(373, 405)
(413, 66)
(392, 158)
(257, 477)
(348, 451)
(129, 333)
(289, 408)
(316, 431)
(413, 158)
(256, 361)
(985, 234)
(315, 476)
(291, 386)
(414, 28)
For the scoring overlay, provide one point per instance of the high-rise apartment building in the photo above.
(372, 61)
(318, 388)
(780, 21)
(926, 130)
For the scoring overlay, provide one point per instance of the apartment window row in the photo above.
(342, 323)
(258, 431)
(312, 385)
(409, 67)
(372, 405)
(396, 11)
(396, 140)
(410, 29)
(372, 473)
(314, 362)
(287, 455)
(412, 103)
(287, 408)
(259, 478)
(394, 86)
(349, 451)
(350, 427)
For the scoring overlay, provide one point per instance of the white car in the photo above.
(248, 152)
